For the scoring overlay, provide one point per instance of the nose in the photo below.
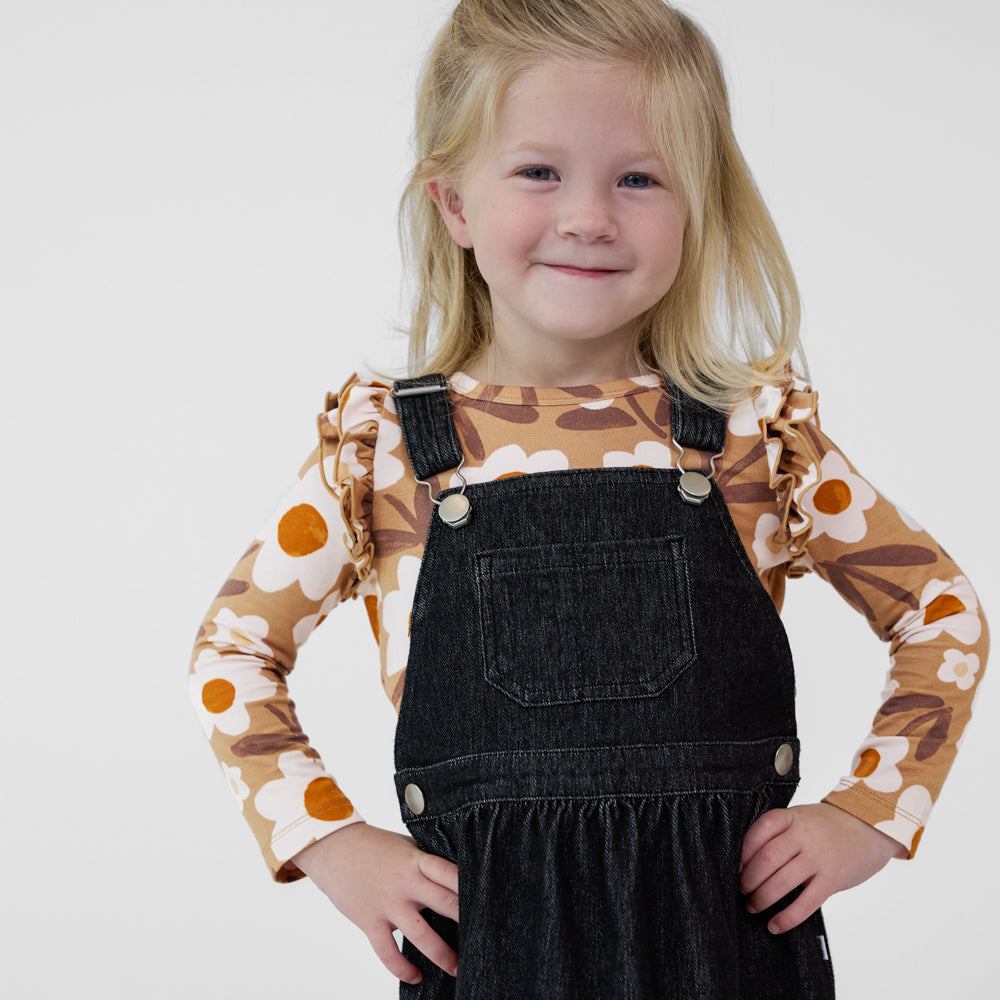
(587, 215)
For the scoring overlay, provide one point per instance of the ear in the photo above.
(448, 199)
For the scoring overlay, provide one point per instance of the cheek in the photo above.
(504, 239)
(663, 241)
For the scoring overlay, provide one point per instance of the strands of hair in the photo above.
(731, 319)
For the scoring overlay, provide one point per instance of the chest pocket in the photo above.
(593, 621)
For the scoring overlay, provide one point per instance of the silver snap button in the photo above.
(694, 487)
(414, 798)
(455, 510)
(784, 759)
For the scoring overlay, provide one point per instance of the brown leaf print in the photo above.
(756, 453)
(581, 391)
(585, 419)
(748, 493)
(809, 431)
(885, 586)
(935, 737)
(250, 551)
(847, 566)
(509, 412)
(641, 414)
(401, 509)
(389, 541)
(938, 717)
(909, 702)
(890, 555)
(662, 414)
(232, 587)
(264, 744)
(847, 590)
(468, 434)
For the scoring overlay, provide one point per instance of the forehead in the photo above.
(582, 100)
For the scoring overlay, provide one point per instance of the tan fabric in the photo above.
(355, 525)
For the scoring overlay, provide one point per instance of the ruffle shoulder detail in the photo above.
(784, 414)
(348, 433)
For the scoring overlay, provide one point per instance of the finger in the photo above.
(440, 870)
(771, 858)
(426, 940)
(384, 946)
(812, 897)
(780, 884)
(766, 827)
(438, 898)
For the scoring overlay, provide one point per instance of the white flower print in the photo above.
(837, 504)
(744, 420)
(387, 468)
(767, 525)
(891, 685)
(460, 382)
(246, 632)
(959, 668)
(876, 760)
(396, 608)
(234, 779)
(304, 627)
(221, 687)
(913, 807)
(972, 715)
(304, 804)
(511, 460)
(648, 454)
(303, 540)
(945, 606)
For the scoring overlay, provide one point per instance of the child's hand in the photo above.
(380, 881)
(816, 846)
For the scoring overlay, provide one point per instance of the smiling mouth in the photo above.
(584, 272)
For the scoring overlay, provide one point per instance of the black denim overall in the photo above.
(598, 703)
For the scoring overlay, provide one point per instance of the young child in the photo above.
(572, 528)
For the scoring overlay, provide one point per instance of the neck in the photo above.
(552, 369)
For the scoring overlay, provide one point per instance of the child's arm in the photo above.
(310, 556)
(915, 598)
(380, 881)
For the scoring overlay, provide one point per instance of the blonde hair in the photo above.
(731, 319)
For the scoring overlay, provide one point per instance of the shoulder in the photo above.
(774, 428)
(348, 428)
(775, 409)
(356, 409)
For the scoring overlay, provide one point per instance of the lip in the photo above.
(584, 272)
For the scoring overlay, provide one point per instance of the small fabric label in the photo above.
(822, 947)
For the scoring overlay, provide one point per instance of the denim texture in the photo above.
(428, 430)
(596, 690)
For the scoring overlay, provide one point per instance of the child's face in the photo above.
(570, 213)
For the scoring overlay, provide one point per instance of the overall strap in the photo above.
(426, 422)
(695, 425)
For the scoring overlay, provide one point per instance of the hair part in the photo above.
(730, 321)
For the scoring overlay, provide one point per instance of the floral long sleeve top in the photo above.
(354, 527)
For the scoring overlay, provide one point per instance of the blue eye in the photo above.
(539, 174)
(637, 181)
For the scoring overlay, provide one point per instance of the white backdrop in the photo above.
(197, 240)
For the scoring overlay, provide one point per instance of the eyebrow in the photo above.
(546, 149)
